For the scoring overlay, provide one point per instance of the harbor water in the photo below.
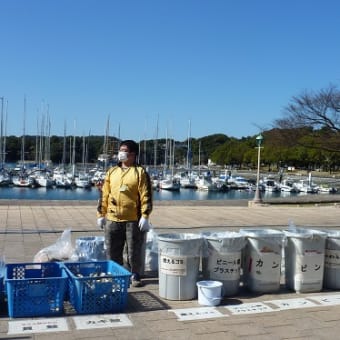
(93, 194)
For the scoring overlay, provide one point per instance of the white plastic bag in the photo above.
(60, 251)
(151, 252)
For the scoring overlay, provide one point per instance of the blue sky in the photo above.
(226, 66)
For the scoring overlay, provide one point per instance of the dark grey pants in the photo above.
(124, 234)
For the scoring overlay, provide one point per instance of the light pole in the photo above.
(258, 198)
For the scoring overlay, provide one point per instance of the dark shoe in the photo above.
(135, 281)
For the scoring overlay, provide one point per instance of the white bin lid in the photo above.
(260, 233)
(304, 233)
(179, 237)
(332, 233)
(222, 234)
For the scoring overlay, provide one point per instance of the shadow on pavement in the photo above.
(144, 301)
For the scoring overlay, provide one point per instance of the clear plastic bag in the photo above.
(60, 251)
(90, 248)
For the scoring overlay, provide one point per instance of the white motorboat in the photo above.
(325, 189)
(205, 183)
(82, 181)
(169, 183)
(306, 186)
(188, 181)
(288, 186)
(239, 182)
(270, 185)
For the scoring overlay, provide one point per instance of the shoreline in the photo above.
(296, 200)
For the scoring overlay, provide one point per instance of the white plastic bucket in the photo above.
(209, 292)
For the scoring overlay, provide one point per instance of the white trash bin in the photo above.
(221, 259)
(178, 263)
(304, 259)
(331, 278)
(261, 260)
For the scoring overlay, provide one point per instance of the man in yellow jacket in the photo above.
(124, 207)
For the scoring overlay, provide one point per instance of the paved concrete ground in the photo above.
(28, 226)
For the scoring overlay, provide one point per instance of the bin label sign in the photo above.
(188, 314)
(37, 326)
(173, 265)
(265, 267)
(332, 258)
(292, 303)
(249, 308)
(309, 267)
(102, 321)
(224, 266)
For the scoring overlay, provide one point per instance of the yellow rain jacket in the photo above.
(126, 195)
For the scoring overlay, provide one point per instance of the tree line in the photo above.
(306, 136)
(277, 151)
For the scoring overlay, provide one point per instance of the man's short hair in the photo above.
(131, 144)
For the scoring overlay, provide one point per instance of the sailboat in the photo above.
(188, 179)
(82, 179)
(204, 181)
(5, 178)
(42, 174)
(22, 178)
(169, 182)
(60, 177)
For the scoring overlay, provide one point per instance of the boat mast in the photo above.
(165, 152)
(106, 143)
(1, 133)
(37, 143)
(23, 136)
(144, 144)
(41, 141)
(63, 161)
(74, 154)
(173, 157)
(189, 148)
(155, 146)
(48, 137)
(4, 137)
(199, 157)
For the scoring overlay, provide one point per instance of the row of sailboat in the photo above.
(207, 180)
(22, 177)
(226, 181)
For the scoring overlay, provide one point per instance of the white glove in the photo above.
(144, 224)
(101, 221)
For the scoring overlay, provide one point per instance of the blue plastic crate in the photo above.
(35, 289)
(2, 289)
(98, 286)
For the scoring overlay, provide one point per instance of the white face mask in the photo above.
(122, 156)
